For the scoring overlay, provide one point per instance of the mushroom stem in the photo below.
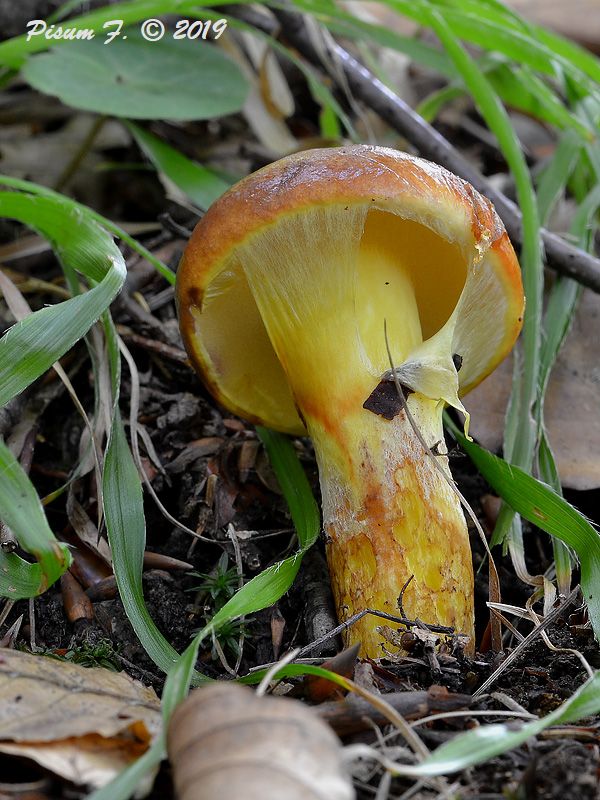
(389, 514)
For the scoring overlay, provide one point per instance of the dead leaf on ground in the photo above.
(85, 725)
(226, 742)
(572, 408)
(578, 20)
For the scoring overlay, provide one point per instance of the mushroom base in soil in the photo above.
(283, 292)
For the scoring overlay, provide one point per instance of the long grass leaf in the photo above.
(124, 514)
(542, 506)
(78, 209)
(525, 44)
(21, 510)
(294, 485)
(556, 174)
(31, 346)
(489, 741)
(200, 184)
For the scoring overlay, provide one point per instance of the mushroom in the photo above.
(282, 293)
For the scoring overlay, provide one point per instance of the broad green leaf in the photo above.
(200, 184)
(15, 51)
(21, 510)
(542, 506)
(134, 78)
(31, 346)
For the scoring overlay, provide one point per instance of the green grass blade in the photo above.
(126, 783)
(21, 510)
(294, 485)
(31, 346)
(521, 89)
(200, 184)
(344, 24)
(261, 592)
(555, 176)
(78, 209)
(560, 311)
(176, 688)
(531, 258)
(542, 506)
(522, 433)
(430, 107)
(124, 514)
(523, 43)
(266, 588)
(488, 741)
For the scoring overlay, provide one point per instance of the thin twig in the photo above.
(6, 611)
(548, 620)
(232, 533)
(560, 255)
(81, 152)
(133, 424)
(399, 620)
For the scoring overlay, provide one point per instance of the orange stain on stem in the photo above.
(400, 519)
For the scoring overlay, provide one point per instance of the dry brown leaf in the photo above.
(270, 130)
(578, 19)
(85, 725)
(572, 411)
(226, 742)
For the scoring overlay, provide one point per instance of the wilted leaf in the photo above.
(83, 724)
(226, 742)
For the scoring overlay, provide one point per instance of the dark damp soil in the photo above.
(211, 473)
(215, 475)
